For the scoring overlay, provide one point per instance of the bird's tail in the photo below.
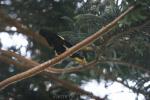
(81, 61)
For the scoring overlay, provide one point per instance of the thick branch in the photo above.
(43, 66)
(66, 84)
(32, 63)
(25, 61)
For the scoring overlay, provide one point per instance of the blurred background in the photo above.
(122, 56)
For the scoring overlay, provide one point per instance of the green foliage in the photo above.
(88, 23)
(75, 20)
(133, 18)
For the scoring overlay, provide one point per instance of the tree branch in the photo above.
(36, 70)
(124, 63)
(136, 28)
(53, 70)
(22, 28)
(76, 88)
(66, 84)
(132, 88)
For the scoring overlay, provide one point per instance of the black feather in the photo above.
(59, 44)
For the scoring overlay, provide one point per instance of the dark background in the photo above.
(126, 47)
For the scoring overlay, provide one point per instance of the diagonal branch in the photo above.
(24, 61)
(36, 70)
(49, 69)
(76, 88)
(66, 84)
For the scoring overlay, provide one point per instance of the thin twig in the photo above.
(66, 84)
(136, 28)
(53, 70)
(40, 68)
(124, 63)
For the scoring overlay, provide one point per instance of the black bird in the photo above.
(60, 45)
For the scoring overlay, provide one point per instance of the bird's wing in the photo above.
(66, 43)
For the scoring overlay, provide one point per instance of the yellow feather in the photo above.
(81, 61)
